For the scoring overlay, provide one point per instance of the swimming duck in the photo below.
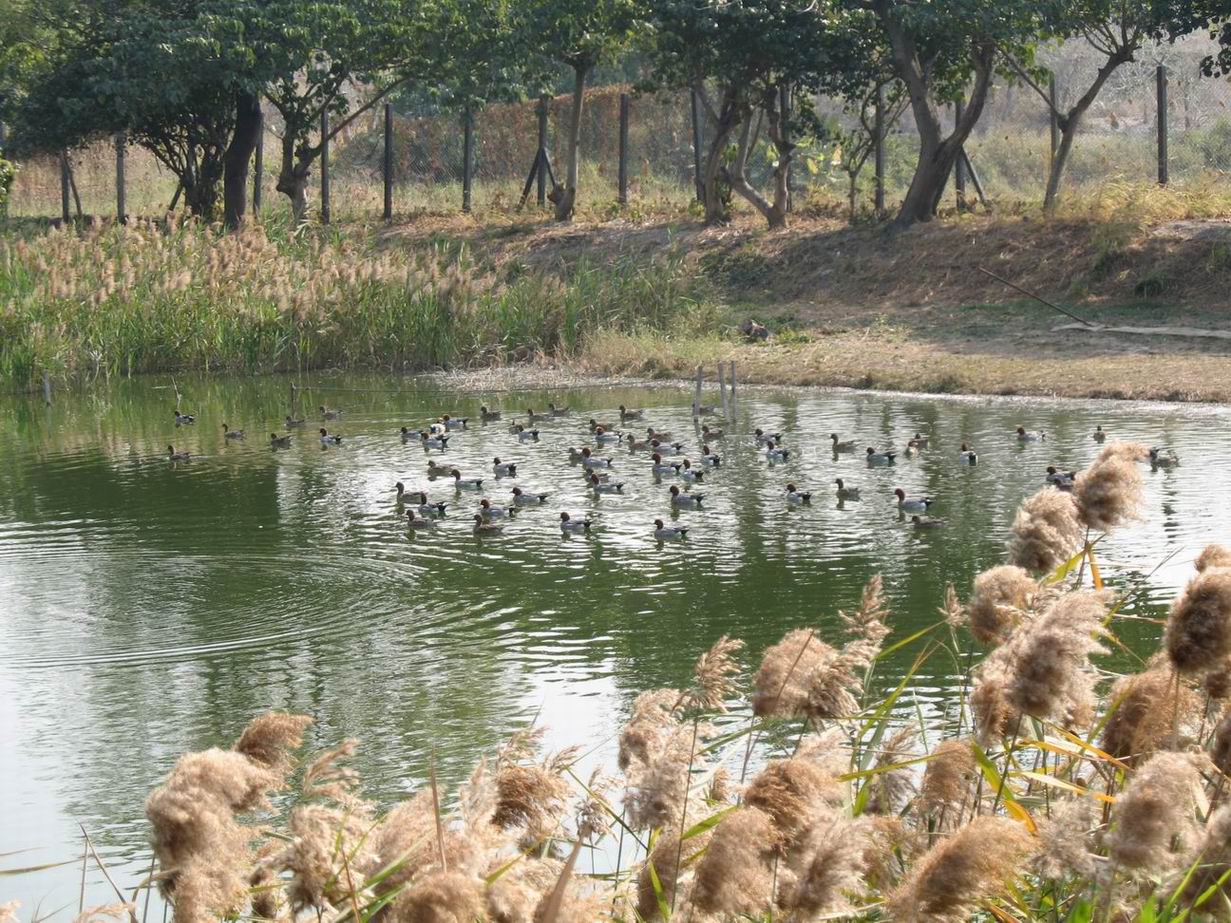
(653, 434)
(602, 437)
(576, 455)
(665, 533)
(683, 501)
(627, 414)
(763, 437)
(177, 456)
(774, 452)
(708, 434)
(918, 441)
(486, 527)
(279, 442)
(419, 498)
(1164, 458)
(438, 469)
(967, 455)
(794, 496)
(706, 410)
(183, 419)
(590, 460)
(690, 474)
(521, 498)
(559, 411)
(408, 434)
(488, 416)
(661, 467)
(433, 442)
(846, 493)
(453, 422)
(638, 445)
(609, 487)
(292, 423)
(1061, 479)
(328, 438)
(1025, 435)
(879, 458)
(595, 425)
(708, 458)
(526, 435)
(914, 505)
(231, 433)
(504, 469)
(568, 524)
(419, 522)
(667, 448)
(926, 522)
(1099, 435)
(487, 511)
(840, 446)
(460, 483)
(532, 417)
(328, 414)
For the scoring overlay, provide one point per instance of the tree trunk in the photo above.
(717, 202)
(293, 179)
(567, 202)
(774, 212)
(237, 158)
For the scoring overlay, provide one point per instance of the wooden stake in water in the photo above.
(731, 419)
(46, 389)
(722, 390)
(696, 397)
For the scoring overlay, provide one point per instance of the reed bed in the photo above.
(1051, 787)
(165, 295)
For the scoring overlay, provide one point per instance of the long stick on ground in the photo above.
(1039, 299)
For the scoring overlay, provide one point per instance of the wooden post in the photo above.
(325, 168)
(1163, 166)
(65, 215)
(698, 176)
(879, 162)
(258, 167)
(696, 396)
(47, 389)
(731, 419)
(959, 167)
(623, 149)
(467, 157)
(542, 170)
(294, 400)
(121, 203)
(1053, 97)
(388, 163)
(722, 390)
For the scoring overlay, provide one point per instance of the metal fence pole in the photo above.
(388, 165)
(698, 178)
(467, 157)
(324, 168)
(1163, 166)
(784, 104)
(879, 153)
(121, 203)
(623, 148)
(258, 166)
(1053, 96)
(65, 214)
(542, 170)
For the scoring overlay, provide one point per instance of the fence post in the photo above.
(959, 166)
(696, 396)
(388, 165)
(65, 214)
(784, 105)
(324, 167)
(698, 178)
(879, 154)
(121, 198)
(732, 417)
(258, 166)
(722, 390)
(1053, 98)
(467, 157)
(1163, 171)
(542, 171)
(623, 148)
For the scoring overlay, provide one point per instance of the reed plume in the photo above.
(1198, 634)
(1213, 556)
(833, 863)
(868, 622)
(1109, 492)
(8, 911)
(958, 874)
(658, 789)
(712, 675)
(992, 713)
(653, 718)
(794, 793)
(1220, 744)
(440, 897)
(513, 897)
(1046, 531)
(1000, 600)
(1153, 820)
(1148, 710)
(947, 778)
(271, 738)
(1066, 844)
(1211, 868)
(893, 784)
(531, 796)
(736, 874)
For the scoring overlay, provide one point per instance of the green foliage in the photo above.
(7, 172)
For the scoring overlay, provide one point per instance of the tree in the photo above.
(579, 34)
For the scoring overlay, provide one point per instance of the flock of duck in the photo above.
(667, 460)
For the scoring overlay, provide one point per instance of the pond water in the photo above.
(148, 609)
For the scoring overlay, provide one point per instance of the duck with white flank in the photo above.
(525, 435)
(590, 460)
(1025, 435)
(775, 452)
(602, 437)
(708, 458)
(486, 527)
(683, 501)
(967, 455)
(327, 414)
(661, 467)
(177, 456)
(460, 483)
(228, 433)
(568, 524)
(595, 425)
(1163, 458)
(665, 533)
(1062, 480)
(919, 441)
(408, 434)
(428, 441)
(876, 458)
(419, 498)
(627, 414)
(419, 522)
(690, 474)
(523, 498)
(279, 442)
(605, 487)
(913, 504)
(449, 422)
(576, 455)
(764, 438)
(796, 497)
(503, 469)
(487, 511)
(841, 446)
(328, 438)
(845, 492)
(183, 419)
(667, 448)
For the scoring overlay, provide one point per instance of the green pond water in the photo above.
(147, 609)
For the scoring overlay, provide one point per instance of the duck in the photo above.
(425, 508)
(503, 469)
(279, 442)
(627, 414)
(438, 470)
(763, 437)
(967, 455)
(794, 496)
(532, 417)
(328, 438)
(1099, 435)
(590, 460)
(405, 495)
(846, 493)
(638, 445)
(526, 435)
(913, 505)
(408, 434)
(460, 483)
(486, 527)
(184, 419)
(419, 522)
(328, 414)
(774, 452)
(292, 423)
(708, 435)
(926, 522)
(453, 422)
(602, 437)
(690, 474)
(683, 501)
(918, 441)
(879, 458)
(228, 433)
(708, 458)
(609, 487)
(522, 498)
(429, 441)
(1163, 458)
(576, 455)
(652, 434)
(667, 448)
(559, 411)
(487, 511)
(659, 466)
(1061, 479)
(568, 524)
(177, 456)
(488, 416)
(1025, 435)
(706, 410)
(840, 446)
(665, 533)
(595, 425)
